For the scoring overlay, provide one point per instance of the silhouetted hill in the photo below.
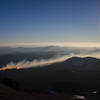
(74, 74)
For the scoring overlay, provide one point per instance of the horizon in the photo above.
(61, 44)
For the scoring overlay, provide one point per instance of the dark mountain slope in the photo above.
(74, 73)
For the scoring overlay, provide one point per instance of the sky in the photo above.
(45, 21)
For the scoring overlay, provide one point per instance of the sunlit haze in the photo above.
(62, 44)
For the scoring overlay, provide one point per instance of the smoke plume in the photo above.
(43, 62)
(34, 63)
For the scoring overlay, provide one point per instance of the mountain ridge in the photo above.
(63, 75)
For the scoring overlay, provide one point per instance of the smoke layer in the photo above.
(34, 63)
(43, 62)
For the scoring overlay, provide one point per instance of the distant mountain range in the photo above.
(9, 50)
(57, 49)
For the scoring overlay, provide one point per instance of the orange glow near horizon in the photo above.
(8, 67)
(18, 67)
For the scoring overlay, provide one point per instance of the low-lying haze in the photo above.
(60, 54)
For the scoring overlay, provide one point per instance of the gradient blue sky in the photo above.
(49, 21)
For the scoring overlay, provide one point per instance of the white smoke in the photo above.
(39, 63)
(44, 62)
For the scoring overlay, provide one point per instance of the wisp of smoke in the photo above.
(34, 63)
(43, 62)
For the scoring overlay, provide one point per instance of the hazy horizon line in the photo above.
(62, 44)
